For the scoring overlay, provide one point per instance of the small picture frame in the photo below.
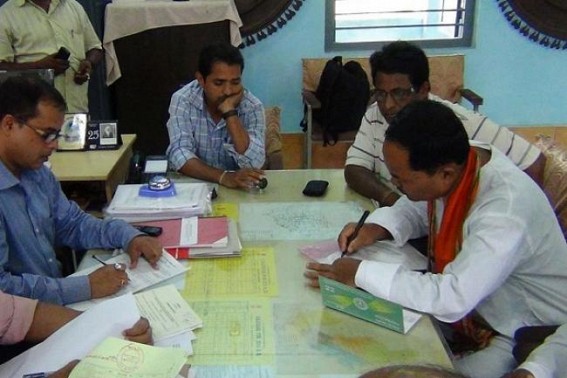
(108, 133)
(103, 135)
(73, 132)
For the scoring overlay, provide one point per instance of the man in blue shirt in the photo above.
(216, 126)
(35, 215)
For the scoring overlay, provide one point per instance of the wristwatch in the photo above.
(229, 113)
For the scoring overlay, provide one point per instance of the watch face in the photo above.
(159, 183)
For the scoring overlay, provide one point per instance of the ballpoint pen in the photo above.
(117, 266)
(356, 230)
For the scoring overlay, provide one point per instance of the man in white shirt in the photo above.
(401, 75)
(498, 258)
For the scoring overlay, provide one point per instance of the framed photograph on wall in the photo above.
(73, 132)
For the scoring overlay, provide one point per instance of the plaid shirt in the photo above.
(194, 134)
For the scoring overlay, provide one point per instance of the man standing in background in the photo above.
(31, 33)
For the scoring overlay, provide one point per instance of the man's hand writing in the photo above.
(367, 235)
(342, 270)
(106, 281)
(146, 246)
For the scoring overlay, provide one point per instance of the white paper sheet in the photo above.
(295, 220)
(140, 278)
(328, 251)
(167, 311)
(77, 338)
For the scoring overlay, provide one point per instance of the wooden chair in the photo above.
(446, 79)
(274, 154)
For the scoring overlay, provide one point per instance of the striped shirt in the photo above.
(366, 151)
(28, 34)
(194, 134)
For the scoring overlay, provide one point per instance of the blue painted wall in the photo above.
(522, 82)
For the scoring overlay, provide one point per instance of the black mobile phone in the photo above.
(150, 230)
(315, 188)
(63, 53)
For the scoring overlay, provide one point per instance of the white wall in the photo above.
(522, 82)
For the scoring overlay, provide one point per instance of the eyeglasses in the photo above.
(398, 94)
(47, 136)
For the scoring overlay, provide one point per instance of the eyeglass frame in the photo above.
(47, 136)
(397, 94)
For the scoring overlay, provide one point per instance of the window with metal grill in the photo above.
(367, 24)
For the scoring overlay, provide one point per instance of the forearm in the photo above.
(366, 183)
(80, 230)
(549, 358)
(47, 289)
(238, 134)
(94, 56)
(198, 169)
(8, 66)
(47, 319)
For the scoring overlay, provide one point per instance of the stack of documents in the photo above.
(191, 199)
(171, 317)
(95, 337)
(194, 232)
(221, 240)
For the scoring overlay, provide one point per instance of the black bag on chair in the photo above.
(344, 92)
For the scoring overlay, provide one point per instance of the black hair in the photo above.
(219, 52)
(401, 57)
(431, 133)
(20, 96)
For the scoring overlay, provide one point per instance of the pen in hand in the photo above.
(117, 266)
(356, 230)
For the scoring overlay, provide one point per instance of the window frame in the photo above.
(332, 45)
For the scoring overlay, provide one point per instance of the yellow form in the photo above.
(251, 275)
(115, 358)
(227, 209)
(235, 332)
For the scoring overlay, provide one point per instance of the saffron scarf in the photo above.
(446, 244)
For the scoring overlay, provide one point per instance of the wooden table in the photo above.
(107, 166)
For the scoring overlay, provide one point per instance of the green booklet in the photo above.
(365, 306)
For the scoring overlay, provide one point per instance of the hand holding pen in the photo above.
(353, 236)
(107, 280)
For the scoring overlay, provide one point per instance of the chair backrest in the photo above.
(555, 177)
(274, 155)
(445, 74)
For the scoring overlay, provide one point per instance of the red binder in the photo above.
(211, 232)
